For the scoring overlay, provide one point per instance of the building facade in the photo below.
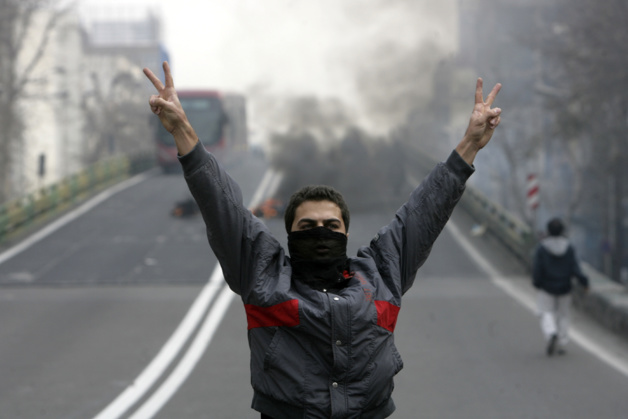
(87, 97)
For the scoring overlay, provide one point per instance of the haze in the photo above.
(291, 47)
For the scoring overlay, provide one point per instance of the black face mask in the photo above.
(319, 257)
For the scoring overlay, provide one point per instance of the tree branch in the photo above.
(51, 24)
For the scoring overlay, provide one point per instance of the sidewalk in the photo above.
(606, 302)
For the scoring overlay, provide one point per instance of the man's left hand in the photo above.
(482, 124)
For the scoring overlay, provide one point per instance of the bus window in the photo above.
(207, 117)
(206, 113)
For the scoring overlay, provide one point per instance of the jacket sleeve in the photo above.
(401, 247)
(577, 271)
(537, 269)
(240, 241)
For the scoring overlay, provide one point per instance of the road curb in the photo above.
(606, 302)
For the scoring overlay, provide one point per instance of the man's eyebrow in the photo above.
(311, 221)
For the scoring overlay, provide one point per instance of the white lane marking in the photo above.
(167, 353)
(169, 387)
(578, 336)
(258, 195)
(274, 184)
(165, 357)
(70, 216)
(485, 265)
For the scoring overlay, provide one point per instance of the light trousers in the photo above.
(553, 311)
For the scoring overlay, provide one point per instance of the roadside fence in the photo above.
(607, 300)
(22, 213)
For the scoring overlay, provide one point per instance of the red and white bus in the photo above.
(218, 119)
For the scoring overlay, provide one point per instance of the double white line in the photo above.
(215, 289)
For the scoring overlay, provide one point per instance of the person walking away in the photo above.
(554, 267)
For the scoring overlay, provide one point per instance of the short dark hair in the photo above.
(555, 227)
(315, 193)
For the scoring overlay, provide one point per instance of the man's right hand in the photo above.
(165, 104)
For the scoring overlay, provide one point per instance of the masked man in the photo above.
(320, 324)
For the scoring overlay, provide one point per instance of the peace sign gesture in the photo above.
(165, 104)
(482, 124)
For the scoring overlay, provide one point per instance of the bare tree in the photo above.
(17, 70)
(585, 48)
(116, 117)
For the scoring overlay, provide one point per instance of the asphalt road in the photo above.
(89, 315)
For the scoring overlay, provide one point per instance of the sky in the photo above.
(291, 45)
(323, 48)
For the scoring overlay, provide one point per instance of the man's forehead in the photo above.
(318, 207)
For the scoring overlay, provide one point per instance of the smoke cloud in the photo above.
(368, 171)
(357, 140)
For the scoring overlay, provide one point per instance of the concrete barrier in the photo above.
(511, 231)
(607, 300)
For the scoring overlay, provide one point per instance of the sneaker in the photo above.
(551, 345)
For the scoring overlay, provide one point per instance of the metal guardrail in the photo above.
(511, 231)
(21, 213)
(606, 302)
(514, 233)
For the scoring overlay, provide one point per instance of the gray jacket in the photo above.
(322, 354)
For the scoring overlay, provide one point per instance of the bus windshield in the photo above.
(206, 115)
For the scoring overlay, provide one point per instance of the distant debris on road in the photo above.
(185, 208)
(270, 208)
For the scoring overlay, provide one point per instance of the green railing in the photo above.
(22, 213)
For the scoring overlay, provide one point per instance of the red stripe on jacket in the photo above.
(387, 315)
(282, 314)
